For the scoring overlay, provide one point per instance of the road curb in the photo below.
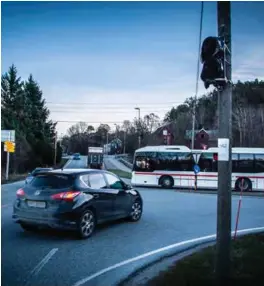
(152, 268)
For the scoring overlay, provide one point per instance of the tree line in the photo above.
(82, 135)
(247, 124)
(247, 114)
(24, 110)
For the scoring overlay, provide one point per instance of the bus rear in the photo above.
(95, 158)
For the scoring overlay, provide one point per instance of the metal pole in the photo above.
(8, 159)
(139, 137)
(55, 150)
(223, 244)
(107, 142)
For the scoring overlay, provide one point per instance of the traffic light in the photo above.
(212, 58)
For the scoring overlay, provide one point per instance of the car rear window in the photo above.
(52, 181)
(36, 171)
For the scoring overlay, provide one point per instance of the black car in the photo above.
(75, 199)
(34, 172)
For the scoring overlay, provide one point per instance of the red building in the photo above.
(203, 139)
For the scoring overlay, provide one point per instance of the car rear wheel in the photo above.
(29, 227)
(136, 211)
(86, 224)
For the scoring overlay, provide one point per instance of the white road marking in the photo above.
(41, 264)
(178, 244)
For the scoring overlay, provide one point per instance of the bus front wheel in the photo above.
(243, 184)
(166, 182)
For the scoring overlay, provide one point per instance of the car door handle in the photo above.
(96, 196)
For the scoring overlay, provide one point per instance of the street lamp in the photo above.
(139, 138)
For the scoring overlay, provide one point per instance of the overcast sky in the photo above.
(95, 62)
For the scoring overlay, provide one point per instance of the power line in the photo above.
(114, 104)
(89, 122)
(105, 112)
(197, 72)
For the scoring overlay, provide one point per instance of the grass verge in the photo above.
(120, 173)
(247, 256)
(13, 178)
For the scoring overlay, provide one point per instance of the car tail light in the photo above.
(20, 193)
(66, 196)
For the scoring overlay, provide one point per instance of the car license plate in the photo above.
(36, 204)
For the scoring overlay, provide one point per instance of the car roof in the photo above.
(40, 168)
(76, 171)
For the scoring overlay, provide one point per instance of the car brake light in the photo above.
(20, 193)
(66, 196)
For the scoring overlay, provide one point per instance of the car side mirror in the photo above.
(127, 187)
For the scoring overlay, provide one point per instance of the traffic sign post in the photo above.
(8, 136)
(196, 170)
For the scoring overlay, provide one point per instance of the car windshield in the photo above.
(52, 181)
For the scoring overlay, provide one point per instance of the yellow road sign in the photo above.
(10, 146)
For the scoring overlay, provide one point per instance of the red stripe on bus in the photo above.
(191, 175)
(174, 175)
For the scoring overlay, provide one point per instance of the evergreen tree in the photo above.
(24, 110)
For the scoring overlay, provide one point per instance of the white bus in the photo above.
(172, 166)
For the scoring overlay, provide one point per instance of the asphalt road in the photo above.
(75, 164)
(53, 258)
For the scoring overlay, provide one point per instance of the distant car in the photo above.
(76, 199)
(37, 170)
(76, 156)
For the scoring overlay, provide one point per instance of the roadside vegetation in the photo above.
(247, 257)
(24, 110)
(120, 173)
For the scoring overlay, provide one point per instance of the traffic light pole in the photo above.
(223, 245)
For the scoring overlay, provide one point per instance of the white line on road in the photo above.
(41, 264)
(178, 244)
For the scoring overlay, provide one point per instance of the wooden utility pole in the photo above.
(224, 154)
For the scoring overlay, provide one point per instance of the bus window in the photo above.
(245, 163)
(259, 163)
(208, 162)
(144, 162)
(174, 161)
(235, 163)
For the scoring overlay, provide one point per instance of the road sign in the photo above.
(7, 135)
(9, 147)
(196, 169)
